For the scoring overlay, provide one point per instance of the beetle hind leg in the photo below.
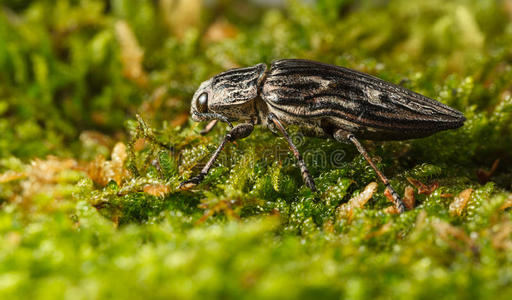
(276, 125)
(342, 135)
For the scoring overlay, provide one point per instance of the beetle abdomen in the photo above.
(359, 103)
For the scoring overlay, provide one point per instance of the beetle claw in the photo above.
(310, 183)
(188, 184)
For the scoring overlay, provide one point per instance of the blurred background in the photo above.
(71, 68)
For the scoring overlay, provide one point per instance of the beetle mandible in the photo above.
(324, 101)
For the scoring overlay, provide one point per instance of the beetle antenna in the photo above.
(214, 116)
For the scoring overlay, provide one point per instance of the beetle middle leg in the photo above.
(238, 132)
(342, 136)
(308, 179)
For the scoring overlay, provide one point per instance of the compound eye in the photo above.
(202, 103)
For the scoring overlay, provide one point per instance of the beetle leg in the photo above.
(342, 135)
(209, 127)
(238, 132)
(308, 179)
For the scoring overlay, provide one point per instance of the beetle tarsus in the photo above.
(310, 183)
(399, 205)
(192, 182)
(396, 198)
(308, 179)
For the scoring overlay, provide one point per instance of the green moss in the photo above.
(75, 225)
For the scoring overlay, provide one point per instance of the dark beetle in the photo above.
(324, 101)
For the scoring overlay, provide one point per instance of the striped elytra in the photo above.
(364, 105)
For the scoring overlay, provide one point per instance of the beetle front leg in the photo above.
(308, 179)
(342, 135)
(238, 132)
(209, 127)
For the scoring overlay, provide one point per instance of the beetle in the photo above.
(324, 101)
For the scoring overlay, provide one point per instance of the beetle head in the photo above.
(228, 96)
(210, 103)
(201, 102)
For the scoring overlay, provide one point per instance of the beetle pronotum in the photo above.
(323, 101)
